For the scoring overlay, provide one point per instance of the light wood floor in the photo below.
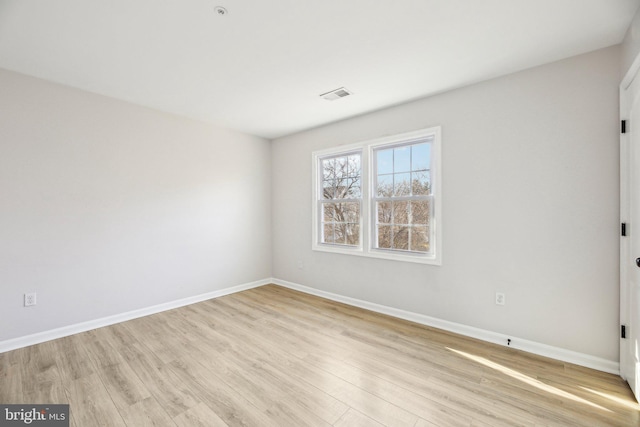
(275, 357)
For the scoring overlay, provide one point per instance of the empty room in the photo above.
(332, 213)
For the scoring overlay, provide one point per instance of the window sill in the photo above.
(379, 254)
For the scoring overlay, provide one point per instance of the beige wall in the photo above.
(530, 207)
(107, 207)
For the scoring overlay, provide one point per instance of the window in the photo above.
(380, 198)
(401, 197)
(340, 200)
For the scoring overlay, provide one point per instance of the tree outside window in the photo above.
(402, 197)
(341, 199)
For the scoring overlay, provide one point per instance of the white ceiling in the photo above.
(261, 68)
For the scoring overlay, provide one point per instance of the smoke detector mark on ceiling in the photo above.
(336, 94)
(221, 11)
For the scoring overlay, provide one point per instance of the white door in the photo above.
(630, 244)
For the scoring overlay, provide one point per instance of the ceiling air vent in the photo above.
(336, 94)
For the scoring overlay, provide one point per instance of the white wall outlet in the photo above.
(29, 299)
(500, 298)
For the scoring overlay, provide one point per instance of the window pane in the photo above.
(354, 166)
(353, 188)
(420, 156)
(384, 212)
(401, 184)
(401, 237)
(341, 167)
(401, 159)
(384, 236)
(420, 183)
(328, 189)
(341, 188)
(420, 212)
(419, 239)
(384, 161)
(340, 233)
(346, 182)
(384, 187)
(328, 212)
(328, 169)
(401, 213)
(348, 212)
(327, 233)
(353, 234)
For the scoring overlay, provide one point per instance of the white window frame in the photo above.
(367, 222)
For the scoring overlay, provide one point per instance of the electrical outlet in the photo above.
(29, 299)
(500, 298)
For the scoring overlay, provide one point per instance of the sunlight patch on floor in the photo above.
(527, 379)
(624, 402)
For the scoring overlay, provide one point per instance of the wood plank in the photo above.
(91, 405)
(11, 382)
(40, 375)
(228, 403)
(172, 394)
(71, 357)
(354, 418)
(199, 416)
(300, 398)
(146, 413)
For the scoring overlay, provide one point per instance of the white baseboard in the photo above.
(52, 334)
(557, 353)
